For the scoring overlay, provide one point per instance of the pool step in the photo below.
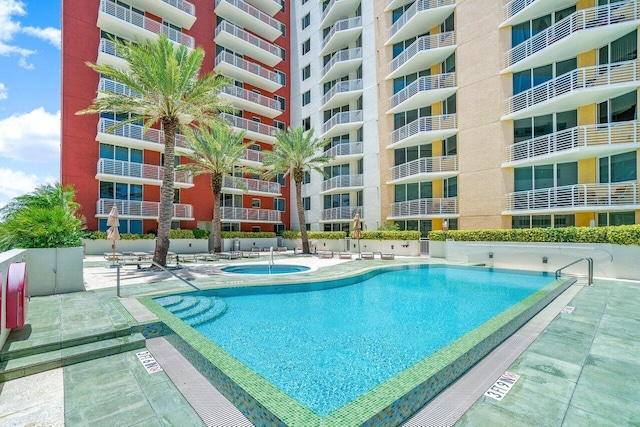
(44, 361)
(193, 310)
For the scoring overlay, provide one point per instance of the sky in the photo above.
(29, 95)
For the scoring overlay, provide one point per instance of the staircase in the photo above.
(193, 309)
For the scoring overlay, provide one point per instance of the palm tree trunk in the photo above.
(217, 224)
(170, 127)
(303, 226)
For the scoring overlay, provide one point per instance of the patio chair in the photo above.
(366, 255)
(387, 256)
(345, 255)
(325, 254)
(207, 257)
(114, 256)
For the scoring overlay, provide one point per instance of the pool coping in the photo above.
(389, 403)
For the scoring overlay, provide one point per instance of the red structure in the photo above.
(243, 40)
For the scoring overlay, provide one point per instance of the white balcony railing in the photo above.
(252, 185)
(131, 208)
(182, 5)
(140, 171)
(417, 7)
(342, 87)
(341, 56)
(252, 155)
(582, 19)
(109, 47)
(576, 197)
(256, 13)
(424, 124)
(425, 165)
(513, 7)
(421, 44)
(425, 83)
(148, 24)
(341, 119)
(342, 25)
(136, 132)
(108, 85)
(341, 213)
(343, 181)
(425, 207)
(250, 215)
(575, 138)
(251, 67)
(256, 98)
(579, 79)
(228, 27)
(250, 125)
(345, 149)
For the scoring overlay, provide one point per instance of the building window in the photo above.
(255, 229)
(280, 101)
(307, 178)
(278, 204)
(133, 226)
(306, 98)
(618, 168)
(306, 21)
(279, 125)
(255, 203)
(306, 72)
(304, 1)
(280, 179)
(306, 123)
(306, 203)
(616, 218)
(283, 77)
(306, 46)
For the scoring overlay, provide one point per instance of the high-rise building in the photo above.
(472, 114)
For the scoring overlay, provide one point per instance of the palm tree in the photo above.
(166, 89)
(216, 152)
(294, 153)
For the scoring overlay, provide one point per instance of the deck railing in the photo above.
(252, 155)
(342, 87)
(342, 55)
(417, 7)
(250, 184)
(108, 85)
(249, 125)
(424, 124)
(425, 207)
(141, 209)
(423, 43)
(341, 213)
(250, 214)
(425, 165)
(256, 98)
(513, 7)
(343, 181)
(251, 67)
(344, 149)
(342, 118)
(422, 84)
(228, 27)
(136, 132)
(256, 13)
(139, 170)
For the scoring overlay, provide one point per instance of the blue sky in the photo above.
(29, 95)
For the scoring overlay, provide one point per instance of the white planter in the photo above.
(247, 243)
(179, 246)
(54, 271)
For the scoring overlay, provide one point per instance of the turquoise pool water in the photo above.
(325, 347)
(264, 269)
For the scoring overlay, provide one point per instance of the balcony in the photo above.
(518, 11)
(578, 87)
(424, 130)
(271, 7)
(251, 158)
(178, 12)
(342, 123)
(344, 152)
(574, 144)
(255, 131)
(246, 100)
(108, 85)
(336, 10)
(249, 215)
(422, 54)
(344, 213)
(425, 209)
(248, 16)
(239, 69)
(141, 210)
(341, 63)
(255, 187)
(342, 93)
(139, 173)
(424, 169)
(343, 33)
(419, 18)
(426, 90)
(342, 183)
(583, 30)
(107, 55)
(134, 136)
(618, 196)
(245, 43)
(132, 25)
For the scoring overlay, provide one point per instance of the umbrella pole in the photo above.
(359, 254)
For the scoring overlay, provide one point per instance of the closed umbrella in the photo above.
(357, 231)
(113, 233)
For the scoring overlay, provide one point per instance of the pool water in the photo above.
(265, 269)
(326, 347)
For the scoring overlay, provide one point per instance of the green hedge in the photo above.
(173, 234)
(315, 235)
(389, 235)
(247, 234)
(619, 235)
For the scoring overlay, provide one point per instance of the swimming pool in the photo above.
(349, 341)
(265, 269)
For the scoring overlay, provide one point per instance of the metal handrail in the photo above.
(163, 268)
(590, 273)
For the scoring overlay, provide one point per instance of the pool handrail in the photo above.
(590, 272)
(175, 275)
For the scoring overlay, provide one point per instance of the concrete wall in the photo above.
(54, 271)
(180, 246)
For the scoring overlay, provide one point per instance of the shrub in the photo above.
(389, 235)
(315, 235)
(247, 234)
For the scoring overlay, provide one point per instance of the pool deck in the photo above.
(584, 369)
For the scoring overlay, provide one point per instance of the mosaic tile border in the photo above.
(390, 403)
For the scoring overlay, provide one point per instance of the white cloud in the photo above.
(31, 137)
(14, 183)
(3, 92)
(9, 28)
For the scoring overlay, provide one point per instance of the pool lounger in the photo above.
(387, 256)
(186, 257)
(325, 254)
(251, 254)
(366, 255)
(344, 255)
(230, 255)
(113, 257)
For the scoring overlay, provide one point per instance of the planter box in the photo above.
(179, 246)
(247, 243)
(54, 271)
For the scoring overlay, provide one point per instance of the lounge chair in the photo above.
(387, 256)
(344, 255)
(113, 256)
(282, 249)
(186, 257)
(252, 254)
(207, 257)
(325, 254)
(366, 255)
